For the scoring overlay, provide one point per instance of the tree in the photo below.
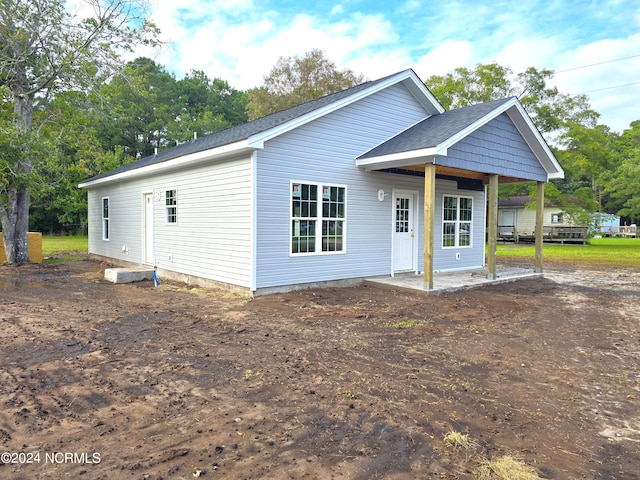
(137, 107)
(206, 106)
(295, 80)
(623, 183)
(551, 111)
(44, 49)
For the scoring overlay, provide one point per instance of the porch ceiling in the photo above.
(452, 172)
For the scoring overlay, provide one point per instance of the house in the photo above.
(517, 222)
(374, 180)
(516, 218)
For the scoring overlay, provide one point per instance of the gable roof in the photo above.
(434, 131)
(252, 135)
(434, 135)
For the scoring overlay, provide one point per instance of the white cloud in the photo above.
(445, 58)
(240, 41)
(618, 106)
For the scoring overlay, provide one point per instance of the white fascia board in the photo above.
(185, 160)
(401, 159)
(536, 142)
(527, 129)
(257, 140)
(479, 123)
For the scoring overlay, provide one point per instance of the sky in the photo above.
(594, 46)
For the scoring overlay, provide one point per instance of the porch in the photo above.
(454, 281)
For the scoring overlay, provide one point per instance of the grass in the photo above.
(61, 248)
(615, 252)
(406, 323)
(504, 468)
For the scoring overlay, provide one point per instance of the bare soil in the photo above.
(104, 381)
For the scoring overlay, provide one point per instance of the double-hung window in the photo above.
(105, 218)
(318, 216)
(171, 206)
(457, 216)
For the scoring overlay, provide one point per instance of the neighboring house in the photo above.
(356, 184)
(517, 214)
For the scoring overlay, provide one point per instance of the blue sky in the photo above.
(241, 40)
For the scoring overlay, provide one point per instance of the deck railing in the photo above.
(621, 231)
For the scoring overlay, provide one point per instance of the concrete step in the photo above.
(127, 275)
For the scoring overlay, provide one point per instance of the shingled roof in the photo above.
(433, 131)
(239, 132)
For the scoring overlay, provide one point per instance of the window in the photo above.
(105, 218)
(456, 221)
(556, 218)
(317, 218)
(171, 206)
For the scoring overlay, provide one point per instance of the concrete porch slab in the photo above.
(453, 281)
(127, 275)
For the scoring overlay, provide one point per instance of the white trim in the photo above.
(254, 222)
(414, 194)
(319, 219)
(165, 206)
(143, 222)
(401, 159)
(107, 218)
(408, 77)
(539, 143)
(191, 159)
(457, 222)
(521, 120)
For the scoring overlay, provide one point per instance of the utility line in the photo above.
(609, 88)
(595, 64)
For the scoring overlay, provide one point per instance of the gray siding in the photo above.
(324, 151)
(470, 257)
(213, 236)
(496, 148)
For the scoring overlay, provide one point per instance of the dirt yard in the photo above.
(103, 381)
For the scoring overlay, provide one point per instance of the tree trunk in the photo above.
(15, 225)
(14, 212)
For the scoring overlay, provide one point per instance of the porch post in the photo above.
(492, 240)
(539, 225)
(429, 222)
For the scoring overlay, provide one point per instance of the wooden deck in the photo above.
(628, 231)
(550, 234)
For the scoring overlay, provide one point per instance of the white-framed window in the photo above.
(457, 220)
(318, 216)
(171, 205)
(105, 218)
(556, 218)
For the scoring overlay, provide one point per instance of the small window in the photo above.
(457, 219)
(556, 218)
(171, 206)
(317, 218)
(105, 218)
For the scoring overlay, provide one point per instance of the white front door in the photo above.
(404, 238)
(148, 229)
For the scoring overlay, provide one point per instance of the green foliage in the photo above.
(295, 80)
(622, 185)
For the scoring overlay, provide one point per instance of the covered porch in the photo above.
(484, 145)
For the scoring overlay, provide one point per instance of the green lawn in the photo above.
(616, 252)
(64, 248)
